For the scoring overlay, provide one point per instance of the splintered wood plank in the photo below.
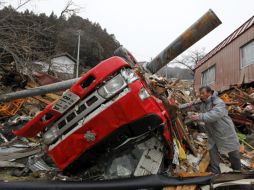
(189, 187)
(53, 96)
(169, 188)
(185, 133)
(179, 187)
(45, 101)
(203, 165)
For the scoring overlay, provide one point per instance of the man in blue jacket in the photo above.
(222, 137)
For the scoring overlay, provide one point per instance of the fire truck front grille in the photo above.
(82, 118)
(82, 109)
(88, 106)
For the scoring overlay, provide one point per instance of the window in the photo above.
(81, 108)
(70, 117)
(247, 54)
(208, 76)
(61, 124)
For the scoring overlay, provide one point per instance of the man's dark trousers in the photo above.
(234, 158)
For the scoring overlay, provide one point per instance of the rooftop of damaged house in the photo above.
(79, 111)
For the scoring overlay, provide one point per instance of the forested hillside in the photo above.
(26, 37)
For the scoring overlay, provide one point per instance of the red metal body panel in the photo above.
(37, 124)
(100, 72)
(125, 110)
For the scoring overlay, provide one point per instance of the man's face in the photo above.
(204, 95)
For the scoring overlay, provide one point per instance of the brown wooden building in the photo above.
(231, 62)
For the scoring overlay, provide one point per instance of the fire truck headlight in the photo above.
(129, 75)
(143, 94)
(112, 86)
(50, 135)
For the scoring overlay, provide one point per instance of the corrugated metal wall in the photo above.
(227, 61)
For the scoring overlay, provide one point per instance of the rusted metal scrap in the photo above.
(10, 108)
(242, 120)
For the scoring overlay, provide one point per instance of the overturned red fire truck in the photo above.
(110, 106)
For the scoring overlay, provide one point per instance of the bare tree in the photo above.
(24, 39)
(190, 58)
(70, 9)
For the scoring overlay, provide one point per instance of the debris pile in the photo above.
(240, 103)
(20, 156)
(190, 157)
(179, 90)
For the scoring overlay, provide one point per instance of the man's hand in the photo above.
(194, 117)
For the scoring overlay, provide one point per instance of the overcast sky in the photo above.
(145, 27)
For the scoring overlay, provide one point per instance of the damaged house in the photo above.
(61, 66)
(230, 62)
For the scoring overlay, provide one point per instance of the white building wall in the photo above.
(63, 65)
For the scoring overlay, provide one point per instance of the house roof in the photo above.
(65, 54)
(44, 78)
(249, 23)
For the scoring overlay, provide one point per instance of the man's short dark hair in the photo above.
(207, 88)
